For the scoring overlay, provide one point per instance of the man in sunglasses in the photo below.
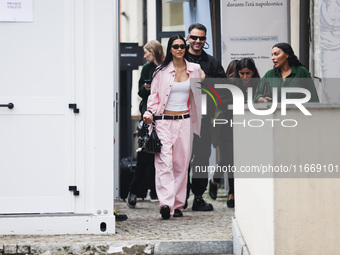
(202, 145)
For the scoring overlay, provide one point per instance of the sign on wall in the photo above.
(16, 10)
(251, 28)
(131, 56)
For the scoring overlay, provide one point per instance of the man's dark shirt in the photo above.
(211, 66)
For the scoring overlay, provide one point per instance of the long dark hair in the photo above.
(247, 63)
(169, 57)
(292, 58)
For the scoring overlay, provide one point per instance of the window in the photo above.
(170, 20)
(172, 16)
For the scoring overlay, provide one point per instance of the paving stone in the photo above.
(194, 247)
(139, 234)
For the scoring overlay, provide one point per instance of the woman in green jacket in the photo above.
(144, 175)
(154, 56)
(288, 71)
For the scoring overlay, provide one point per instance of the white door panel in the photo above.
(37, 136)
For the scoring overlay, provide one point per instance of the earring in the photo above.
(204, 47)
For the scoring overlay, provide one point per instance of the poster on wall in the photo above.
(16, 10)
(251, 28)
(329, 37)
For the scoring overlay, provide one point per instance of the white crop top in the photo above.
(179, 96)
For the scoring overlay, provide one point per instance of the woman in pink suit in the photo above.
(175, 106)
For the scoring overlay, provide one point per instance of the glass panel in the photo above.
(172, 16)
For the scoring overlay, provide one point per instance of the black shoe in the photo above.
(131, 200)
(165, 211)
(231, 203)
(212, 190)
(119, 217)
(178, 213)
(200, 205)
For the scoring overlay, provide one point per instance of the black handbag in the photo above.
(149, 143)
(142, 128)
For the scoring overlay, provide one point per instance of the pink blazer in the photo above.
(161, 88)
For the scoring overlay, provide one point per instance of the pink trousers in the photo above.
(172, 162)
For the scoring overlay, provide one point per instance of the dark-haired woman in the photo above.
(174, 105)
(288, 71)
(248, 76)
(244, 74)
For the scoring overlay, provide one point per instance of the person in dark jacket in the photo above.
(145, 169)
(202, 145)
(154, 56)
(243, 74)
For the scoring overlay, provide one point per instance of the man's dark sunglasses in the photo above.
(177, 46)
(194, 37)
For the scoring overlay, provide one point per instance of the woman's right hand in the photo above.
(264, 99)
(148, 118)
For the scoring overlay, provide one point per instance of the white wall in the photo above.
(254, 198)
(151, 6)
(291, 213)
(100, 75)
(307, 209)
(131, 22)
(131, 30)
(295, 25)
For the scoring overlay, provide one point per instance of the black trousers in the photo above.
(225, 143)
(201, 152)
(144, 176)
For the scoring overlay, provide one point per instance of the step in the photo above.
(127, 247)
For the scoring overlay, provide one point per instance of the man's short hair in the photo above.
(197, 26)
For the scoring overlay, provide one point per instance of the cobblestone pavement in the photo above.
(143, 226)
(145, 223)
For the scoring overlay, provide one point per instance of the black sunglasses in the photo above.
(194, 37)
(177, 46)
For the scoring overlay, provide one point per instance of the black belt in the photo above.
(172, 117)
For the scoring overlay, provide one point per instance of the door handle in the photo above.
(9, 105)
